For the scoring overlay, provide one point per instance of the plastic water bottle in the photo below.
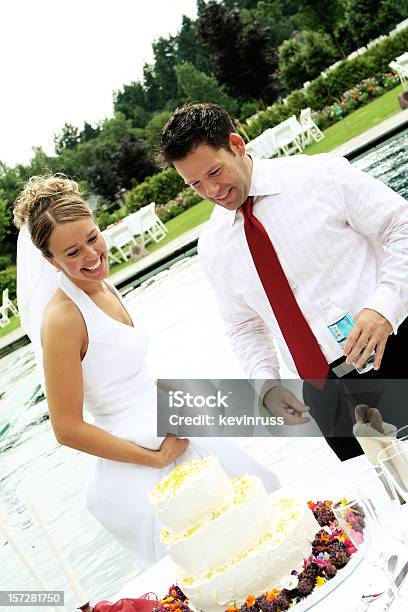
(340, 323)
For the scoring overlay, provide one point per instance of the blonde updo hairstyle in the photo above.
(47, 201)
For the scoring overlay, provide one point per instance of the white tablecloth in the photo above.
(333, 484)
(131, 223)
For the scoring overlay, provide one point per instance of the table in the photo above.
(321, 485)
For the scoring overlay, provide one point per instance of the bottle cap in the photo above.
(326, 302)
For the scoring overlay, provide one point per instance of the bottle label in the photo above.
(341, 329)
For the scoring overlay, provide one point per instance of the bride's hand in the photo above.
(170, 449)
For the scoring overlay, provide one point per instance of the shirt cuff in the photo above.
(389, 305)
(261, 386)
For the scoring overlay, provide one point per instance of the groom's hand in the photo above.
(282, 403)
(370, 333)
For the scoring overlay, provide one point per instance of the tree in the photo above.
(200, 87)
(132, 161)
(276, 17)
(189, 49)
(89, 132)
(320, 15)
(245, 63)
(67, 139)
(164, 51)
(116, 158)
(132, 102)
(5, 216)
(153, 129)
(153, 94)
(367, 19)
(303, 58)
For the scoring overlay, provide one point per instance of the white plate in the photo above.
(320, 593)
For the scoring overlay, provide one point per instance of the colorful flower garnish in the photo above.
(250, 601)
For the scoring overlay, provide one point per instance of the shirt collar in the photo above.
(264, 182)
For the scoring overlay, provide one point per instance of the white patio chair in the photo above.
(121, 238)
(333, 66)
(401, 25)
(376, 41)
(288, 136)
(159, 221)
(7, 304)
(109, 244)
(402, 72)
(402, 59)
(263, 146)
(151, 223)
(309, 128)
(4, 320)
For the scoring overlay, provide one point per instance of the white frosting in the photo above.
(225, 534)
(229, 539)
(192, 491)
(259, 569)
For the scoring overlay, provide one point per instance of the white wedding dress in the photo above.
(121, 396)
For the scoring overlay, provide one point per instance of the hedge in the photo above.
(159, 188)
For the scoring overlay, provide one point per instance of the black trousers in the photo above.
(386, 389)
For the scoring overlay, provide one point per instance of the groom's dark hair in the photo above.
(192, 125)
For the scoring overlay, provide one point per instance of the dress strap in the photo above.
(90, 312)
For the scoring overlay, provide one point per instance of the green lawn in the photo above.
(14, 323)
(179, 225)
(358, 122)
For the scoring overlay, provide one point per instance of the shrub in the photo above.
(174, 208)
(159, 188)
(8, 279)
(105, 218)
(5, 261)
(302, 59)
(248, 109)
(189, 198)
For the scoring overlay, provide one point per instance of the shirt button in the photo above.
(293, 285)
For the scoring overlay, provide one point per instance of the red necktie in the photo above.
(302, 344)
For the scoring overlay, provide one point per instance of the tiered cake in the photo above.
(227, 537)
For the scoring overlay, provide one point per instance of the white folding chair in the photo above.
(121, 238)
(109, 244)
(376, 41)
(402, 59)
(402, 25)
(159, 221)
(4, 320)
(263, 146)
(309, 128)
(288, 136)
(151, 223)
(7, 304)
(401, 71)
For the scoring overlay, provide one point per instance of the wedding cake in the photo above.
(227, 537)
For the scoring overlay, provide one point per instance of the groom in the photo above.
(285, 235)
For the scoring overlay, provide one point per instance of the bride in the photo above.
(93, 357)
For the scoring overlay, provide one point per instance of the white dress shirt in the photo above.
(338, 233)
